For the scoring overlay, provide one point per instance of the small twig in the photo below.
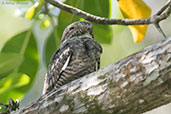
(164, 7)
(162, 17)
(45, 8)
(160, 30)
(106, 21)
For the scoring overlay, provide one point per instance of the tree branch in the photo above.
(135, 84)
(163, 8)
(159, 16)
(160, 30)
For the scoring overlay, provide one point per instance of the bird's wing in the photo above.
(59, 62)
(92, 45)
(94, 49)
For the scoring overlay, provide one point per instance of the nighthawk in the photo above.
(78, 55)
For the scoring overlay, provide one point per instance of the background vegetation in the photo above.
(27, 45)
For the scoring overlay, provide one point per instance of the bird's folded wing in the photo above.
(94, 48)
(59, 61)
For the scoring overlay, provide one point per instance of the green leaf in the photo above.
(103, 33)
(9, 61)
(65, 18)
(97, 7)
(23, 44)
(12, 86)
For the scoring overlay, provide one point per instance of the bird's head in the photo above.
(78, 29)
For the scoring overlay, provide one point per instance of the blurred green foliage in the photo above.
(9, 61)
(19, 60)
(51, 45)
(19, 56)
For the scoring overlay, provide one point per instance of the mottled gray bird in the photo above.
(78, 55)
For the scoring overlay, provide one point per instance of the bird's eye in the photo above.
(71, 28)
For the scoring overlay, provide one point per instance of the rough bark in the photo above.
(136, 84)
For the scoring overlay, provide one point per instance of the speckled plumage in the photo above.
(78, 55)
